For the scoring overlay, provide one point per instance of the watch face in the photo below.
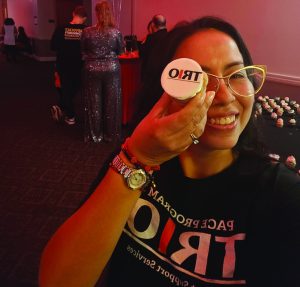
(137, 179)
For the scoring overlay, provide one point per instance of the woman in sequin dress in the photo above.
(101, 45)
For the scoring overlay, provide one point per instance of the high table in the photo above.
(130, 82)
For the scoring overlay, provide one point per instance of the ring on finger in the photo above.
(194, 138)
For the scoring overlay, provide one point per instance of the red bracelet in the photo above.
(134, 160)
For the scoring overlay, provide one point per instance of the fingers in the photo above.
(200, 117)
(188, 118)
(194, 112)
(162, 134)
(209, 98)
(202, 109)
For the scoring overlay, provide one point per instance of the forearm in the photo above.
(80, 249)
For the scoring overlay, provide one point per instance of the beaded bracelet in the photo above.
(134, 160)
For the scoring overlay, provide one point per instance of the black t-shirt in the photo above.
(66, 42)
(240, 227)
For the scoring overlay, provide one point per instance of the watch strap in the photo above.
(122, 168)
(119, 166)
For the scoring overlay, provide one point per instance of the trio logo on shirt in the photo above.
(204, 223)
(164, 236)
(72, 34)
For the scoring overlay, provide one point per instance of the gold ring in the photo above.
(194, 138)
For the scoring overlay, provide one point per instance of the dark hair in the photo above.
(152, 90)
(80, 11)
(180, 33)
(9, 21)
(21, 30)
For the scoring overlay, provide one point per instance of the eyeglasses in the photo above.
(244, 82)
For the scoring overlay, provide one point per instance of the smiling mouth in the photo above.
(222, 121)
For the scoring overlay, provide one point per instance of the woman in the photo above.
(220, 214)
(23, 42)
(10, 33)
(101, 45)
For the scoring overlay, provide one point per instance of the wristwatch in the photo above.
(135, 178)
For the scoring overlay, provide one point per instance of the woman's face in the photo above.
(228, 115)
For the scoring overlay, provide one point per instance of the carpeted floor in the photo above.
(46, 169)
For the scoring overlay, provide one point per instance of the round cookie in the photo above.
(182, 78)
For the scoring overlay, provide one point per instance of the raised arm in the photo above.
(79, 251)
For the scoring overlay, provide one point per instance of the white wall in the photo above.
(46, 16)
(269, 27)
(22, 13)
(34, 15)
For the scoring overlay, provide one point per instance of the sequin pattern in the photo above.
(102, 84)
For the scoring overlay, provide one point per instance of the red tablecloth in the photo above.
(131, 80)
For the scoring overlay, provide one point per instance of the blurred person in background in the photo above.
(10, 32)
(157, 31)
(23, 42)
(101, 45)
(65, 42)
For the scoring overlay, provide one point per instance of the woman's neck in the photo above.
(199, 164)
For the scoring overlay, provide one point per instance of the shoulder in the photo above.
(271, 172)
(280, 189)
(77, 26)
(113, 34)
(156, 37)
(287, 183)
(89, 29)
(115, 31)
(160, 33)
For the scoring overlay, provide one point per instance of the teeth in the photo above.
(222, 121)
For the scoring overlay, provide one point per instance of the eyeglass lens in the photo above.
(245, 82)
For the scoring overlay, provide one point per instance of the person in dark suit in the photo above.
(151, 51)
(147, 49)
